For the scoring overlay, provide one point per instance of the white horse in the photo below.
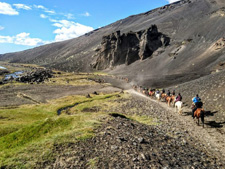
(158, 96)
(178, 106)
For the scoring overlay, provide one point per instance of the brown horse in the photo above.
(151, 93)
(168, 100)
(173, 98)
(163, 96)
(199, 113)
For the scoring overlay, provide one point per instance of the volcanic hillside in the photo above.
(182, 41)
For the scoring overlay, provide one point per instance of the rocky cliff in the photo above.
(126, 48)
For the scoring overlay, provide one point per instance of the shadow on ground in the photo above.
(215, 124)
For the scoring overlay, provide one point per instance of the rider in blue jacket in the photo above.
(198, 104)
(196, 99)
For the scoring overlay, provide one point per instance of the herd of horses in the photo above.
(171, 101)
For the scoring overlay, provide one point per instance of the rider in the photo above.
(198, 104)
(157, 91)
(173, 93)
(168, 93)
(178, 98)
(163, 90)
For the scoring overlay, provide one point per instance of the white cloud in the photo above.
(45, 9)
(69, 29)
(86, 14)
(69, 16)
(7, 9)
(40, 7)
(22, 39)
(43, 16)
(6, 39)
(172, 1)
(22, 6)
(52, 20)
(50, 11)
(1, 28)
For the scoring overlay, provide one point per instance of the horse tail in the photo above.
(202, 115)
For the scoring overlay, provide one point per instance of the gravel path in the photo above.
(212, 138)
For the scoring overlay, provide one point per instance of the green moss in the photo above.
(144, 119)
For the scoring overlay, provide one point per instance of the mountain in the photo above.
(195, 29)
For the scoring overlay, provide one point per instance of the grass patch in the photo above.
(71, 79)
(100, 73)
(29, 132)
(144, 119)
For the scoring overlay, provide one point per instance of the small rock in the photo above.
(88, 96)
(113, 147)
(95, 93)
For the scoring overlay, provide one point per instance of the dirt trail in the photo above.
(212, 138)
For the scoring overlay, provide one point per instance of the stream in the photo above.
(13, 75)
(1, 67)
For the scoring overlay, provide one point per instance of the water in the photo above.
(2, 67)
(14, 75)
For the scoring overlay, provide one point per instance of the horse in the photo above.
(199, 113)
(168, 100)
(163, 96)
(134, 87)
(152, 93)
(139, 89)
(158, 96)
(173, 98)
(144, 91)
(178, 107)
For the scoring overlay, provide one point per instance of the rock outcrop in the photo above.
(39, 75)
(117, 49)
(220, 44)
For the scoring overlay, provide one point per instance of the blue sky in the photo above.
(26, 24)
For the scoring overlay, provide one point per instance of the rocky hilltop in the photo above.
(117, 49)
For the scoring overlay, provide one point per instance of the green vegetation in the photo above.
(29, 133)
(71, 79)
(144, 119)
